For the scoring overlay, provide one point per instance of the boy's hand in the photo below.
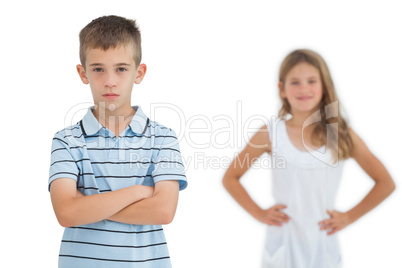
(273, 216)
(158, 208)
(337, 222)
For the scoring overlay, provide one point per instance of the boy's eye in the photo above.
(97, 70)
(295, 83)
(121, 69)
(312, 81)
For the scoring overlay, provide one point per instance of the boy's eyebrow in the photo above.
(122, 64)
(117, 64)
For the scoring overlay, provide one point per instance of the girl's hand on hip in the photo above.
(336, 222)
(273, 216)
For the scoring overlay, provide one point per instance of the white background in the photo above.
(203, 57)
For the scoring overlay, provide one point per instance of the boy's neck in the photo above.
(116, 120)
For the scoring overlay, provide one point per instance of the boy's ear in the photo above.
(82, 74)
(142, 69)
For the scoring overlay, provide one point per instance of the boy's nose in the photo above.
(110, 81)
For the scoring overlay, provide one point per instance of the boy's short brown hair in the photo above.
(110, 32)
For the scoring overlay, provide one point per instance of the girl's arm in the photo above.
(156, 210)
(383, 187)
(257, 145)
(72, 208)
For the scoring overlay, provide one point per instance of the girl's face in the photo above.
(302, 88)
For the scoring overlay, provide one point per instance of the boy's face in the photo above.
(111, 75)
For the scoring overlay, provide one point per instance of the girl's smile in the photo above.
(304, 98)
(302, 88)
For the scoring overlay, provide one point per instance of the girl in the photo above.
(314, 142)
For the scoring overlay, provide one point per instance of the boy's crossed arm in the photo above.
(156, 210)
(73, 209)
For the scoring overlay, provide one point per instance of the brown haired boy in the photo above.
(115, 176)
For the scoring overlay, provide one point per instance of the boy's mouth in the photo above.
(110, 96)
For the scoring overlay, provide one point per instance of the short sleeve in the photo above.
(62, 163)
(168, 164)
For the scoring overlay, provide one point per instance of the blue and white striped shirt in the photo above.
(145, 153)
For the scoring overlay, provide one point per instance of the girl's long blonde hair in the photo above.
(341, 145)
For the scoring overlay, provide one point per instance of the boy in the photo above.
(115, 176)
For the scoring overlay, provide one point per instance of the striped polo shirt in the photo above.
(145, 153)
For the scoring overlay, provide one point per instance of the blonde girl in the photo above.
(315, 140)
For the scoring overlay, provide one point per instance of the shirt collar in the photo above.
(91, 126)
(139, 123)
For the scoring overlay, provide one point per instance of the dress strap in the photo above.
(277, 133)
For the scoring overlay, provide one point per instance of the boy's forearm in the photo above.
(79, 210)
(103, 205)
(147, 211)
(156, 210)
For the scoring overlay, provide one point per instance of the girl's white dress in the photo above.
(306, 182)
